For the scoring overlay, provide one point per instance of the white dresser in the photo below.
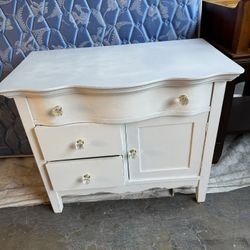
(122, 118)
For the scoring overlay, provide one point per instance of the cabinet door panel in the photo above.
(166, 147)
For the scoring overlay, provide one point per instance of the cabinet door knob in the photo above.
(183, 100)
(79, 144)
(132, 153)
(57, 111)
(86, 178)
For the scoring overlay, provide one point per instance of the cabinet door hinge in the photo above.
(206, 129)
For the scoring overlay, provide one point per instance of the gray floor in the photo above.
(223, 222)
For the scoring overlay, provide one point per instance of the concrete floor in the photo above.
(222, 223)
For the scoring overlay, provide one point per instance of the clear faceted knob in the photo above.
(183, 100)
(132, 153)
(79, 144)
(57, 111)
(86, 178)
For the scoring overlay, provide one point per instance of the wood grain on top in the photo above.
(226, 3)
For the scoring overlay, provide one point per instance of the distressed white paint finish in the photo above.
(119, 67)
(59, 143)
(166, 147)
(134, 187)
(123, 85)
(103, 172)
(127, 106)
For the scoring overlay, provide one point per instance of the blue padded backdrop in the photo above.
(27, 25)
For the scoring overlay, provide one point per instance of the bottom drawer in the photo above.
(86, 174)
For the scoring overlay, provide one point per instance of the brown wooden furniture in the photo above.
(228, 29)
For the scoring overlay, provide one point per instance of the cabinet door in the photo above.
(166, 147)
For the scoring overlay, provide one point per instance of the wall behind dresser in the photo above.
(27, 25)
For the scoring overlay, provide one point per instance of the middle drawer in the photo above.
(79, 141)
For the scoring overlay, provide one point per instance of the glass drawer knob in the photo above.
(79, 144)
(86, 178)
(132, 153)
(183, 100)
(57, 111)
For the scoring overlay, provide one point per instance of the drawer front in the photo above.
(122, 107)
(86, 174)
(79, 141)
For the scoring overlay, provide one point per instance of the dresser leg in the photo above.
(56, 201)
(208, 150)
(201, 192)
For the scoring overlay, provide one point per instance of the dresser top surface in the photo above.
(119, 67)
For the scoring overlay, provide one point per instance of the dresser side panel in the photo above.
(27, 120)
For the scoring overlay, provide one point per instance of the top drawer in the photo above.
(122, 107)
